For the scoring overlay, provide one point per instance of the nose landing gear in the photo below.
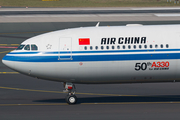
(70, 89)
(71, 99)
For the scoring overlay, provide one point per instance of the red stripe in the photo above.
(7, 47)
(84, 41)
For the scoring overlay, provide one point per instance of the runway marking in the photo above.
(104, 94)
(24, 32)
(33, 104)
(10, 88)
(6, 51)
(7, 47)
(14, 46)
(9, 73)
(9, 44)
(124, 103)
(117, 103)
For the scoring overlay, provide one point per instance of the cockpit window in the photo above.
(20, 47)
(34, 47)
(27, 47)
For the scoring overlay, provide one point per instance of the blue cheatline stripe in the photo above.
(103, 51)
(122, 57)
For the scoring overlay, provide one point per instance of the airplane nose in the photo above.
(12, 62)
(7, 61)
(4, 61)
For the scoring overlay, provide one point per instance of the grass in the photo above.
(87, 3)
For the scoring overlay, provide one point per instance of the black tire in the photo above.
(71, 99)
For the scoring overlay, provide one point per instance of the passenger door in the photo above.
(65, 49)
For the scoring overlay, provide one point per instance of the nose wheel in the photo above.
(71, 99)
(70, 89)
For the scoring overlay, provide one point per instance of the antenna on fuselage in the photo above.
(97, 25)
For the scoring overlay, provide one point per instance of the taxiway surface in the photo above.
(23, 97)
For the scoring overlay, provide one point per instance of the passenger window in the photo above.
(96, 47)
(124, 47)
(91, 47)
(140, 46)
(27, 47)
(107, 47)
(129, 46)
(134, 46)
(161, 45)
(118, 47)
(112, 47)
(150, 46)
(167, 45)
(85, 47)
(145, 46)
(156, 46)
(20, 47)
(102, 47)
(34, 47)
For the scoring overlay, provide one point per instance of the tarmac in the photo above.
(88, 14)
(23, 97)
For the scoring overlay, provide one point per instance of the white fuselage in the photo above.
(122, 54)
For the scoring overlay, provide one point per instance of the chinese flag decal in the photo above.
(84, 41)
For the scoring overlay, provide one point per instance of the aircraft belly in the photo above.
(101, 71)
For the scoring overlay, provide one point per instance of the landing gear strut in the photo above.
(71, 89)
